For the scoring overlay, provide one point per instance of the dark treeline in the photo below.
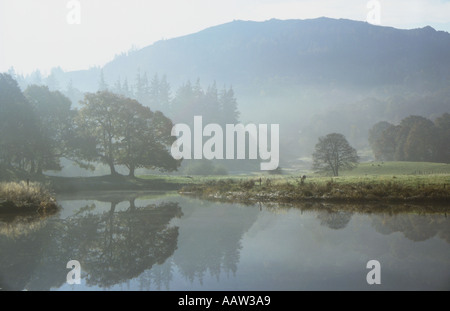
(127, 124)
(32, 126)
(415, 139)
(216, 106)
(38, 128)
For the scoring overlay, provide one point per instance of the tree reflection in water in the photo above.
(415, 227)
(334, 219)
(112, 247)
(121, 245)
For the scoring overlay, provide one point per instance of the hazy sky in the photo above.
(38, 34)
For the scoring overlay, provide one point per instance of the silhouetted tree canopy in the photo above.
(415, 139)
(214, 106)
(121, 131)
(18, 125)
(54, 127)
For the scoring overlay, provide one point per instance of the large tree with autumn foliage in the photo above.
(121, 131)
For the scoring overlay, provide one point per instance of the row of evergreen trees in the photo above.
(214, 105)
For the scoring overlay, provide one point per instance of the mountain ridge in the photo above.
(235, 52)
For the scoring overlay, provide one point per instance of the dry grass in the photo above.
(342, 189)
(23, 197)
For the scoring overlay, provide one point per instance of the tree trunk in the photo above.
(39, 168)
(132, 204)
(132, 169)
(112, 168)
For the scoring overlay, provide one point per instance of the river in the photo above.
(164, 241)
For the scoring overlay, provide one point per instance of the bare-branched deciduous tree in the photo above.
(333, 153)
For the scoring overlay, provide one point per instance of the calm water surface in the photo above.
(163, 241)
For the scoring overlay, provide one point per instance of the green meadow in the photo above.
(399, 168)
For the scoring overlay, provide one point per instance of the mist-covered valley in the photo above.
(312, 77)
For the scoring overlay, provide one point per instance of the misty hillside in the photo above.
(320, 51)
(312, 77)
(323, 51)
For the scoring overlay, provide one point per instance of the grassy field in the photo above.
(398, 168)
(363, 169)
(408, 173)
(388, 181)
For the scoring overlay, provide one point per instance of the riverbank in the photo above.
(115, 183)
(365, 185)
(291, 189)
(36, 194)
(97, 183)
